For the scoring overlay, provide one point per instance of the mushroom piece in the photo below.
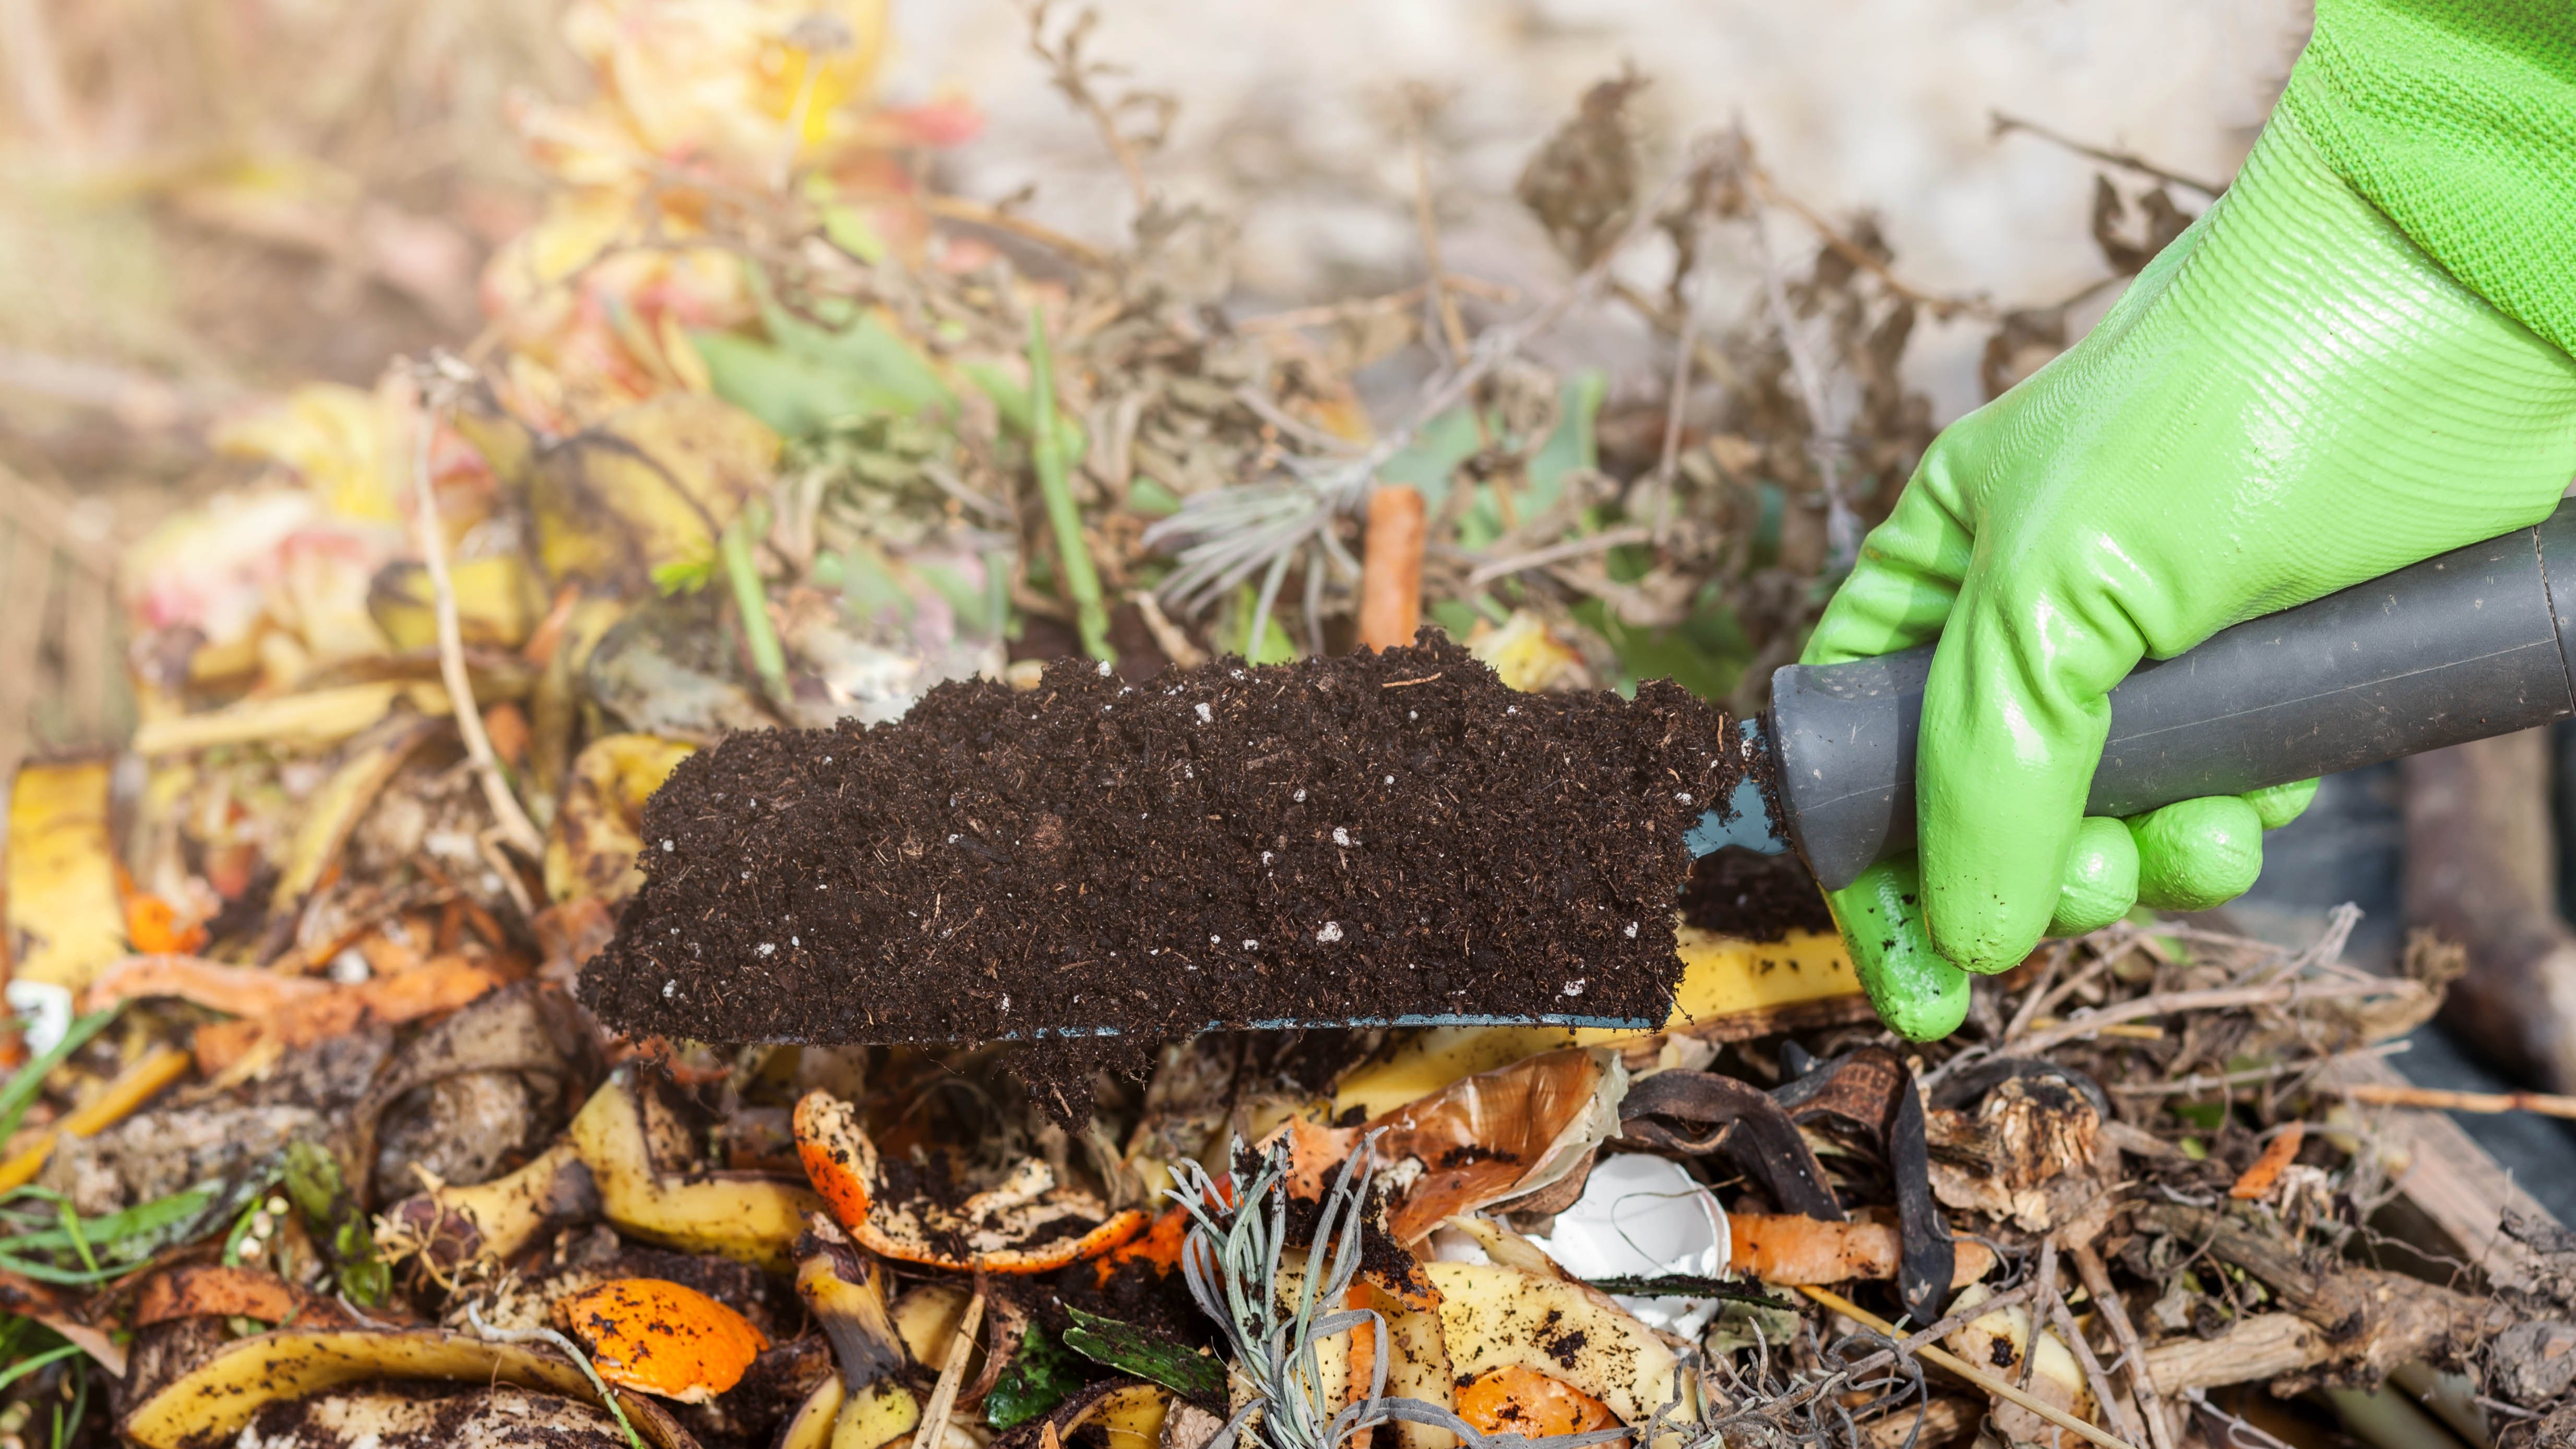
(1027, 1224)
(661, 1337)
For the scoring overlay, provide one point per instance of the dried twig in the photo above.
(943, 1395)
(2542, 1104)
(2004, 125)
(1862, 257)
(1824, 442)
(1074, 74)
(1420, 102)
(1969, 1371)
(2098, 1381)
(1607, 538)
(2106, 1301)
(2166, 1003)
(438, 379)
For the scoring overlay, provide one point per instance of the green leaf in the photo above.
(334, 1218)
(28, 1080)
(1041, 1375)
(1131, 1350)
(1431, 461)
(806, 375)
(1706, 653)
(1148, 498)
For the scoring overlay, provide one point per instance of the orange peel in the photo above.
(1027, 1224)
(1526, 1402)
(662, 1338)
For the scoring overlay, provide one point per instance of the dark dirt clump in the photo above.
(1379, 837)
(1736, 892)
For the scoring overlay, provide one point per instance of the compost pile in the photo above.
(358, 1094)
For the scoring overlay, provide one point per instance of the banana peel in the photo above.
(497, 603)
(591, 851)
(1730, 989)
(1494, 1318)
(652, 485)
(370, 762)
(64, 916)
(315, 719)
(211, 1402)
(744, 1216)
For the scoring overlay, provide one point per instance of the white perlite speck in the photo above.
(1300, 796)
(1682, 795)
(667, 847)
(1206, 715)
(767, 948)
(1265, 857)
(1341, 836)
(670, 988)
(1252, 945)
(1575, 986)
(1104, 669)
(1390, 779)
(1632, 930)
(1331, 932)
(1216, 940)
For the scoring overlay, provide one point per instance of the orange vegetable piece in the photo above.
(2277, 1154)
(661, 1337)
(154, 927)
(1524, 1402)
(826, 1129)
(1160, 1246)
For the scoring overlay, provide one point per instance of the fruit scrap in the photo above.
(1788, 1249)
(2257, 1181)
(746, 1216)
(1027, 1224)
(1522, 1401)
(662, 1338)
(211, 1402)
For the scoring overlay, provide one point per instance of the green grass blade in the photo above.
(1055, 484)
(21, 1091)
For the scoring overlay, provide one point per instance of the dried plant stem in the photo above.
(2166, 1003)
(1860, 256)
(2096, 1277)
(1391, 568)
(1608, 538)
(516, 829)
(1969, 1371)
(943, 1395)
(2542, 1104)
(2098, 1381)
(1824, 444)
(1055, 483)
(1684, 348)
(1329, 314)
(978, 213)
(566, 1347)
(2004, 125)
(1419, 104)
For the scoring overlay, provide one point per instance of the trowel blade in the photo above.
(1747, 819)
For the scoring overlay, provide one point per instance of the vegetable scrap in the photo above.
(496, 996)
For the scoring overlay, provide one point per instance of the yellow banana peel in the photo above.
(64, 915)
(497, 603)
(653, 485)
(591, 851)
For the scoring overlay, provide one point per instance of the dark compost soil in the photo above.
(1374, 837)
(1736, 892)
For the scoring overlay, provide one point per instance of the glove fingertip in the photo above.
(1918, 994)
(2278, 805)
(2197, 854)
(2101, 878)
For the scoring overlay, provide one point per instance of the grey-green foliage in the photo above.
(1231, 1262)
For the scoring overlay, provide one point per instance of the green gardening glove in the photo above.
(2294, 397)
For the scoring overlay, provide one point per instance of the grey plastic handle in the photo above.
(2460, 647)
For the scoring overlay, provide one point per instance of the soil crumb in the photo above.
(1737, 892)
(1378, 837)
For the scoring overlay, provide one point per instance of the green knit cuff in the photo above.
(2457, 118)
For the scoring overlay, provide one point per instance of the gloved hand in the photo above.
(2292, 398)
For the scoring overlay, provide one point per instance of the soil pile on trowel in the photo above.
(1373, 837)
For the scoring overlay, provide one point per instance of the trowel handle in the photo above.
(2464, 646)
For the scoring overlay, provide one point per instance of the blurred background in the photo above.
(228, 232)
